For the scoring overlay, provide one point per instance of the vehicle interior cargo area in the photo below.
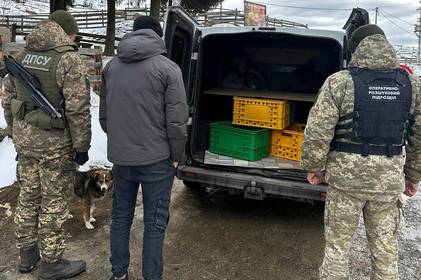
(279, 66)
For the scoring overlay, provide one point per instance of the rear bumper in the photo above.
(242, 182)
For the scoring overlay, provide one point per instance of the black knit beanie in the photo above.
(362, 32)
(147, 22)
(65, 20)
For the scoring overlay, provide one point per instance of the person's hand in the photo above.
(315, 178)
(81, 157)
(175, 163)
(411, 189)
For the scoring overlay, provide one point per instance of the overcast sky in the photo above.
(396, 17)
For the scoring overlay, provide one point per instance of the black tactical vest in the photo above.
(381, 119)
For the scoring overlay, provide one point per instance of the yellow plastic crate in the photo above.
(287, 143)
(285, 152)
(265, 113)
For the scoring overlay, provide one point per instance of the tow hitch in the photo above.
(252, 191)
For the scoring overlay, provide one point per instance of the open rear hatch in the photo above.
(286, 66)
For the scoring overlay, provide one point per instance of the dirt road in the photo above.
(213, 236)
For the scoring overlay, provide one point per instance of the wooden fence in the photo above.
(86, 20)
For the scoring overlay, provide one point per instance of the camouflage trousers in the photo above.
(42, 208)
(382, 219)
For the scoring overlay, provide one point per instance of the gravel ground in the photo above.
(215, 236)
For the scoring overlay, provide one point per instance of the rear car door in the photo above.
(181, 38)
(358, 18)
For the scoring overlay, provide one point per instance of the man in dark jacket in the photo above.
(144, 112)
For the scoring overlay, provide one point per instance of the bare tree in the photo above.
(57, 5)
(110, 37)
(155, 7)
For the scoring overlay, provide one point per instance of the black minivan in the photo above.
(291, 63)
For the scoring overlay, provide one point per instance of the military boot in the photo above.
(29, 258)
(61, 269)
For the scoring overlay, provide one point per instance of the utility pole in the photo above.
(418, 33)
(377, 11)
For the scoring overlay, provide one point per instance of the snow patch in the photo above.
(3, 123)
(98, 150)
(7, 162)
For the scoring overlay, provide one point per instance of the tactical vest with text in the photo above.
(43, 64)
(381, 120)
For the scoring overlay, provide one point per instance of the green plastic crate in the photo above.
(238, 142)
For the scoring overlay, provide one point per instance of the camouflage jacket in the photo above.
(353, 172)
(71, 75)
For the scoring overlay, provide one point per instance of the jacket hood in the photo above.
(48, 35)
(375, 53)
(140, 45)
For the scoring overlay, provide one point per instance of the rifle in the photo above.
(31, 84)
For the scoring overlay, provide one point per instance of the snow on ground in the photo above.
(30, 7)
(9, 7)
(121, 28)
(7, 162)
(7, 157)
(98, 150)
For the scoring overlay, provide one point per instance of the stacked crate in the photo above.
(262, 128)
(243, 143)
(267, 113)
(287, 143)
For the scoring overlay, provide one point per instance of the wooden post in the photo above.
(13, 31)
(86, 19)
(57, 5)
(21, 22)
(7, 20)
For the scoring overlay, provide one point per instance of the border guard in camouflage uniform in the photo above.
(356, 133)
(49, 149)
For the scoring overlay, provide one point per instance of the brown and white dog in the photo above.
(92, 186)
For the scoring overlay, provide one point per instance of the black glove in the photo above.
(81, 157)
